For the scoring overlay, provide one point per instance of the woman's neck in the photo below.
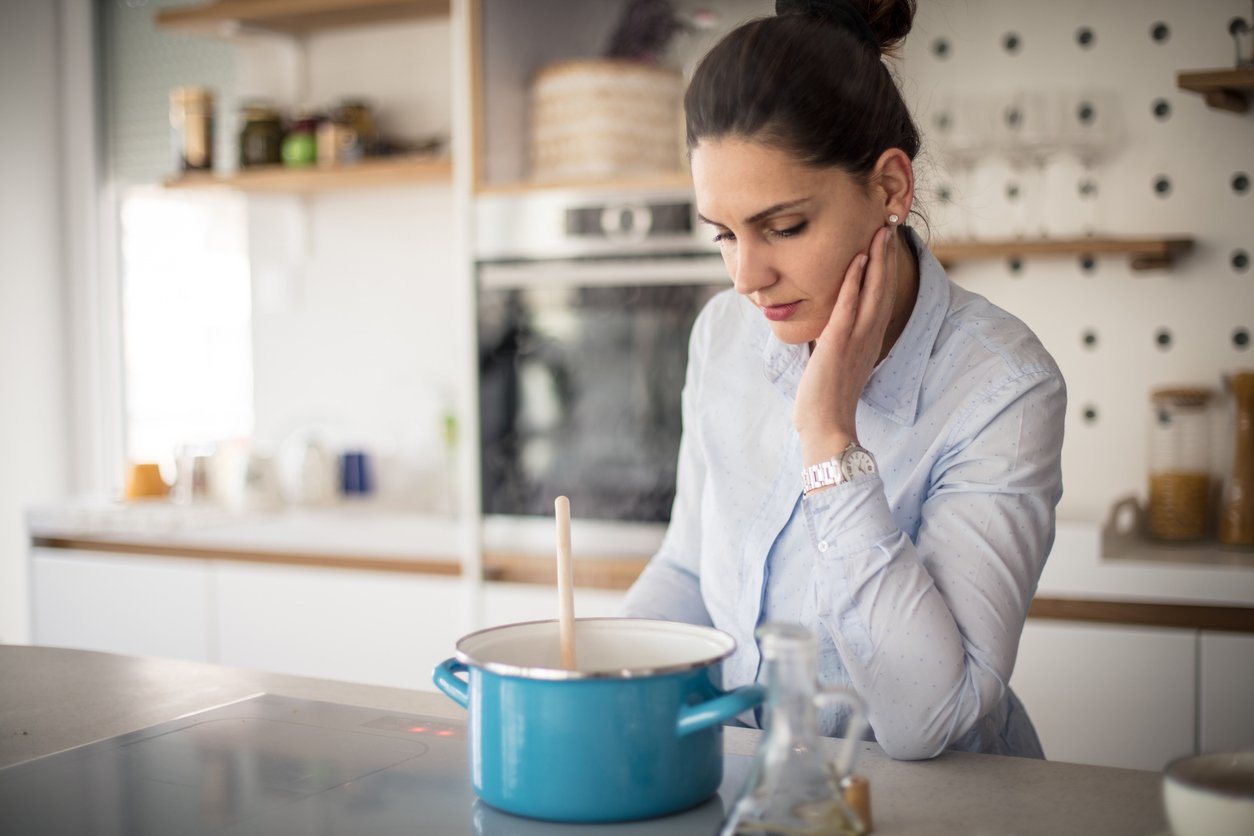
(907, 291)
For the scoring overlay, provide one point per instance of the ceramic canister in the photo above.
(635, 731)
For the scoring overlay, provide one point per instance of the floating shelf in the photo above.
(1142, 253)
(388, 171)
(1225, 89)
(295, 17)
(677, 180)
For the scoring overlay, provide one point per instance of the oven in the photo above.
(585, 303)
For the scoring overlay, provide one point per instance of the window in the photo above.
(186, 314)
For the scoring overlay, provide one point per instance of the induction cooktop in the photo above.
(277, 765)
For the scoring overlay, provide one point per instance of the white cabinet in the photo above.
(146, 606)
(1109, 695)
(509, 603)
(1226, 674)
(384, 628)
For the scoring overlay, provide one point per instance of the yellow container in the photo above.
(144, 481)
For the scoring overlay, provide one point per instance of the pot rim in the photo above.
(560, 674)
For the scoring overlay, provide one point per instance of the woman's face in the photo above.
(787, 231)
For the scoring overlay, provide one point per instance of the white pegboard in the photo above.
(1202, 302)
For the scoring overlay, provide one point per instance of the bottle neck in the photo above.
(790, 678)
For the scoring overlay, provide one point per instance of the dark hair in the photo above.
(809, 81)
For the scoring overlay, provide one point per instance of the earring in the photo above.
(892, 219)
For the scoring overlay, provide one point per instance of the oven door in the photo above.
(581, 367)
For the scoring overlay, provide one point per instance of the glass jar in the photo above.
(358, 115)
(260, 137)
(1179, 464)
(1236, 510)
(191, 127)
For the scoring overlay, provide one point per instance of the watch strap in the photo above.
(830, 472)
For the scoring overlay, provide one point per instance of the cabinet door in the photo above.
(140, 605)
(1227, 692)
(1109, 695)
(383, 628)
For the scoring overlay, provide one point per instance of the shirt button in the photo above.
(822, 545)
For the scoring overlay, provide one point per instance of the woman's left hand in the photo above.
(851, 344)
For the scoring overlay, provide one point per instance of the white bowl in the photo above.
(1210, 795)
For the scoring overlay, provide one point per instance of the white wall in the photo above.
(359, 310)
(34, 461)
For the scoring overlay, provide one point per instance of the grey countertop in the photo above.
(53, 699)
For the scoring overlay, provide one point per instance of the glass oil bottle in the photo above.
(793, 788)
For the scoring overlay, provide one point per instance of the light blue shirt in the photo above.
(916, 580)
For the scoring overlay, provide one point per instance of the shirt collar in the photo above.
(894, 387)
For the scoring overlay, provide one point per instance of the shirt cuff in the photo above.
(849, 517)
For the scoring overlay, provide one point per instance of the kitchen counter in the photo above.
(53, 699)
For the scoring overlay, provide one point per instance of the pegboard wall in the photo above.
(1164, 164)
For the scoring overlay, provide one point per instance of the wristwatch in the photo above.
(854, 461)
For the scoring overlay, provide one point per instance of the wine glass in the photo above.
(1028, 132)
(1094, 131)
(960, 128)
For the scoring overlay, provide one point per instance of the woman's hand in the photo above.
(851, 344)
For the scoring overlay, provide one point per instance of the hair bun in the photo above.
(883, 23)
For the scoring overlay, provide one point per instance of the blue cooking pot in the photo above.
(635, 731)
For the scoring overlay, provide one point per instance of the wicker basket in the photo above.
(596, 119)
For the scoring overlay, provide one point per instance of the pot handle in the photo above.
(446, 679)
(694, 718)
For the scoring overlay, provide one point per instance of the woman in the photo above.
(869, 450)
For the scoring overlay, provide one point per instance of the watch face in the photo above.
(857, 462)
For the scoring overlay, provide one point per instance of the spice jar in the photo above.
(191, 126)
(1179, 464)
(261, 137)
(1236, 510)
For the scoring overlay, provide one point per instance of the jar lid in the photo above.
(1183, 395)
(259, 110)
(187, 94)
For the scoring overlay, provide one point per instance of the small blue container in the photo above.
(634, 732)
(356, 477)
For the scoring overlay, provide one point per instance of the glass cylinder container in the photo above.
(793, 788)
(1179, 464)
(191, 125)
(1236, 510)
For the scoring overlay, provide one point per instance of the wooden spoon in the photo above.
(565, 583)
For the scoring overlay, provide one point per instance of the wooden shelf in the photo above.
(296, 17)
(1225, 89)
(1142, 253)
(678, 180)
(388, 171)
